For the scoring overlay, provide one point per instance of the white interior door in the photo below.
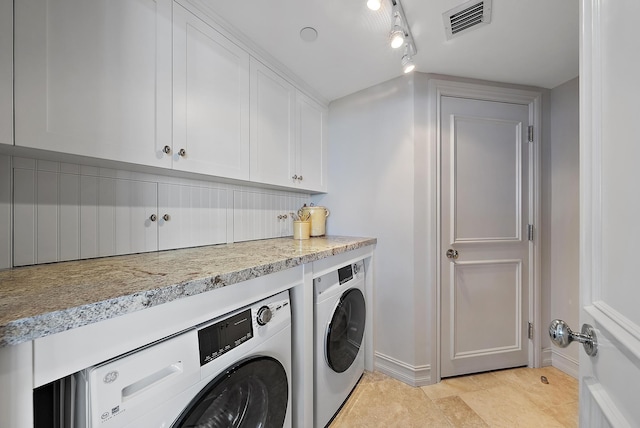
(485, 290)
(609, 213)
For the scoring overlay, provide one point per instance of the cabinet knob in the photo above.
(182, 152)
(166, 150)
(279, 217)
(295, 177)
(284, 216)
(166, 217)
(153, 217)
(300, 178)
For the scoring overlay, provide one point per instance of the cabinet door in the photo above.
(211, 100)
(194, 216)
(272, 127)
(311, 150)
(93, 78)
(6, 72)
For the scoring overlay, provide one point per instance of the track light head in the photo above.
(407, 64)
(374, 4)
(396, 38)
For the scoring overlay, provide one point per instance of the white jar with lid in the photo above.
(318, 217)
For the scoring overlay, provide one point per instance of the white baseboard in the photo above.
(547, 358)
(567, 364)
(411, 375)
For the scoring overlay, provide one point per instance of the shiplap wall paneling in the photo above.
(261, 215)
(116, 216)
(5, 212)
(69, 213)
(24, 214)
(196, 216)
(254, 216)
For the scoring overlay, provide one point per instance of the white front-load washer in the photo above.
(340, 315)
(232, 371)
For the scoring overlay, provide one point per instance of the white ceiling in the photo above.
(529, 42)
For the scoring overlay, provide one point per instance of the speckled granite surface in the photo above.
(40, 300)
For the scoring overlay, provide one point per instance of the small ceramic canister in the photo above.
(301, 229)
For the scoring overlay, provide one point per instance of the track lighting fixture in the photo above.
(400, 34)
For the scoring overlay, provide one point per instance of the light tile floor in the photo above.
(505, 398)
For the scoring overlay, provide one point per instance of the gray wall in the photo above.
(562, 169)
(371, 193)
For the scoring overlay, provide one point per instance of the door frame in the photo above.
(533, 99)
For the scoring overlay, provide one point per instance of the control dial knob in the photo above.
(264, 315)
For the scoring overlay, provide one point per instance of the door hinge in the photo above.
(530, 331)
(530, 232)
(531, 133)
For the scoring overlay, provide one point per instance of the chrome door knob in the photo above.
(182, 152)
(166, 150)
(561, 335)
(452, 254)
(153, 217)
(166, 217)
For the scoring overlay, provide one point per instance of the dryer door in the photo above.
(253, 393)
(345, 331)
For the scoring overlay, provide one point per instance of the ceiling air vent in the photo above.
(466, 17)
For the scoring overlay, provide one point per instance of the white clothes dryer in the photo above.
(233, 371)
(340, 316)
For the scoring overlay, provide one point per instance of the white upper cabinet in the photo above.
(272, 127)
(288, 133)
(93, 78)
(311, 150)
(6, 72)
(211, 100)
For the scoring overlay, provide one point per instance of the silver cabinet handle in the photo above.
(295, 177)
(280, 217)
(300, 178)
(153, 217)
(182, 152)
(284, 216)
(166, 150)
(452, 254)
(166, 217)
(561, 335)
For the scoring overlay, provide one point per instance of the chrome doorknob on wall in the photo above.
(561, 335)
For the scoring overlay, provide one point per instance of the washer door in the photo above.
(254, 393)
(345, 331)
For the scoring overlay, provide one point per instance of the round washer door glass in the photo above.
(344, 335)
(253, 393)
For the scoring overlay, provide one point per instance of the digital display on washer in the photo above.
(345, 274)
(223, 336)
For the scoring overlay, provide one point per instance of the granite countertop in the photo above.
(40, 300)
